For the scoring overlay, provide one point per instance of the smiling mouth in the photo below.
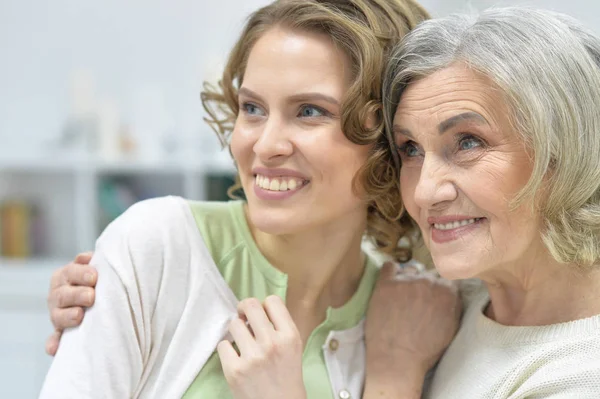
(456, 224)
(280, 183)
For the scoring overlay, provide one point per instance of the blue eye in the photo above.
(408, 150)
(469, 142)
(310, 111)
(252, 109)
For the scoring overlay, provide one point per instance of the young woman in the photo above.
(299, 107)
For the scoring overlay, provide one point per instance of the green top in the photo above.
(227, 235)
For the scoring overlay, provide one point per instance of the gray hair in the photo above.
(547, 66)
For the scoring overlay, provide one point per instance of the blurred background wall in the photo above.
(99, 108)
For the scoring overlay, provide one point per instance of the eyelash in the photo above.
(323, 112)
(404, 147)
(244, 108)
(467, 136)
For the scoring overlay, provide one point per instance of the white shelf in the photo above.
(45, 162)
(16, 264)
(66, 186)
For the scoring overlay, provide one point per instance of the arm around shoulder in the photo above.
(105, 355)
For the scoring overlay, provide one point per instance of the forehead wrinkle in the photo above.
(424, 98)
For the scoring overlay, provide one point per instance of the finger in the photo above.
(52, 343)
(279, 314)
(80, 274)
(258, 320)
(66, 318)
(74, 274)
(227, 355)
(69, 296)
(84, 258)
(58, 278)
(242, 337)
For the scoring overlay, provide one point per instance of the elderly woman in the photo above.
(496, 121)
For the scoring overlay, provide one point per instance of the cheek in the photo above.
(497, 181)
(335, 157)
(240, 144)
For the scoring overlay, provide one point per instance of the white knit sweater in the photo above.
(489, 360)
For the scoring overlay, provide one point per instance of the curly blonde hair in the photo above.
(365, 30)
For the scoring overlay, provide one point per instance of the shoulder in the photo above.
(222, 225)
(569, 369)
(146, 223)
(149, 213)
(216, 213)
(143, 234)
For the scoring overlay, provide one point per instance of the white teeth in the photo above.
(454, 225)
(278, 184)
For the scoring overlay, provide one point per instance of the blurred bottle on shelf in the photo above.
(80, 131)
(21, 229)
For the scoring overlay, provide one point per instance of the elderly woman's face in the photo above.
(461, 164)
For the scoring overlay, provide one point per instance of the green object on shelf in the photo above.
(114, 198)
(217, 186)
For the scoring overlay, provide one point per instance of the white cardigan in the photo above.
(161, 308)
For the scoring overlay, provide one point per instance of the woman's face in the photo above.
(462, 162)
(295, 164)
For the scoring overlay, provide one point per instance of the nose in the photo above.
(435, 186)
(273, 142)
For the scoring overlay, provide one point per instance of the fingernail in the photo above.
(88, 278)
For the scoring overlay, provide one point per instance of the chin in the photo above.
(272, 221)
(454, 269)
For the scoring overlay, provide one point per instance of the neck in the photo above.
(324, 265)
(542, 292)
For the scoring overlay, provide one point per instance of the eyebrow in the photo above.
(314, 96)
(296, 97)
(399, 130)
(455, 120)
(249, 93)
(447, 124)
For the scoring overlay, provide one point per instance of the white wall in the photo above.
(588, 11)
(141, 52)
(138, 50)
